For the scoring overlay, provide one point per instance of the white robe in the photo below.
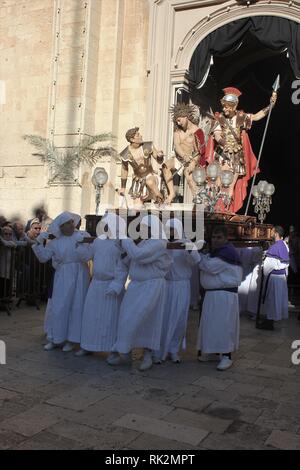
(101, 311)
(141, 313)
(249, 288)
(195, 286)
(69, 290)
(177, 302)
(47, 318)
(219, 325)
(275, 306)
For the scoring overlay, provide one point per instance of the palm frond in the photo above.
(64, 167)
(88, 141)
(91, 157)
(87, 154)
(47, 152)
(37, 141)
(64, 162)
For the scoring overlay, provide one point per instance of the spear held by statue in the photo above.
(276, 87)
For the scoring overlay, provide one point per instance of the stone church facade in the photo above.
(71, 68)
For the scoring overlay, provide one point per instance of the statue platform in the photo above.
(243, 231)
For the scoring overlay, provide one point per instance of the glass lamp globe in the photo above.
(262, 186)
(226, 178)
(270, 190)
(199, 176)
(213, 171)
(99, 177)
(255, 192)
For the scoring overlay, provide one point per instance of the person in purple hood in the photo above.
(220, 275)
(275, 290)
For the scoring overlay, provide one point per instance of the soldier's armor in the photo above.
(231, 153)
(142, 167)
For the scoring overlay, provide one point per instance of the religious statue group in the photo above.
(226, 143)
(140, 292)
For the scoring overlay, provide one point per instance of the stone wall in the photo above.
(25, 64)
(122, 77)
(69, 68)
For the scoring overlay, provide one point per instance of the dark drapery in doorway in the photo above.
(272, 32)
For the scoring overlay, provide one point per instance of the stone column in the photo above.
(66, 104)
(74, 111)
(108, 88)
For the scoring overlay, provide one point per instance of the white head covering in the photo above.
(176, 225)
(35, 221)
(157, 231)
(61, 219)
(116, 225)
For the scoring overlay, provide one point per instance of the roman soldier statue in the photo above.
(230, 146)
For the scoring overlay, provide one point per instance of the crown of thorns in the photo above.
(190, 111)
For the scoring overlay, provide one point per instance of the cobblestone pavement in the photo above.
(53, 400)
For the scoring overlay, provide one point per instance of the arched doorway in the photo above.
(176, 28)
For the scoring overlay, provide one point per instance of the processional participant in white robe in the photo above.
(106, 290)
(195, 288)
(251, 259)
(47, 318)
(178, 294)
(275, 291)
(142, 308)
(220, 276)
(253, 293)
(71, 280)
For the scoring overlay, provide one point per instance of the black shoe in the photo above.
(266, 325)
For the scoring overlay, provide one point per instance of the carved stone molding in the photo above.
(226, 14)
(172, 44)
